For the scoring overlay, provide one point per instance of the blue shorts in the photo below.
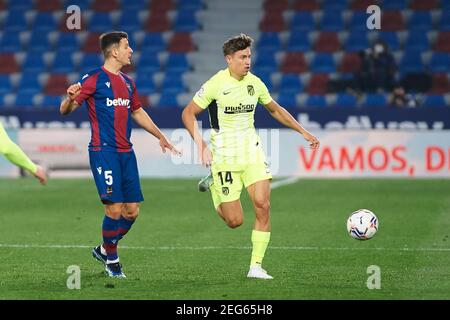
(116, 176)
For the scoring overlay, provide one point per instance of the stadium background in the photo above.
(305, 51)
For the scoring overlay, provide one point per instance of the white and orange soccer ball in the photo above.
(362, 224)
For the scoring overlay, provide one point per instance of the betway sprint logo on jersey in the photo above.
(241, 108)
(119, 102)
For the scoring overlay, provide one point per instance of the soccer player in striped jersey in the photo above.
(237, 158)
(15, 155)
(112, 101)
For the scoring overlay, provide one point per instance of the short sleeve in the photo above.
(88, 86)
(135, 101)
(264, 97)
(206, 94)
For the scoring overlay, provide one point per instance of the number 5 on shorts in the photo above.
(108, 177)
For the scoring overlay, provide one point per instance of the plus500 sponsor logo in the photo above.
(118, 102)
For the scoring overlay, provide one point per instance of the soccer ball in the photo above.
(362, 224)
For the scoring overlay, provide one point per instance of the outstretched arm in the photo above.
(285, 118)
(143, 119)
(189, 117)
(15, 155)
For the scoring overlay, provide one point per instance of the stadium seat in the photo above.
(306, 5)
(10, 42)
(160, 6)
(15, 20)
(29, 83)
(181, 42)
(67, 42)
(358, 21)
(167, 101)
(44, 22)
(375, 100)
(269, 41)
(38, 42)
(157, 22)
(47, 5)
(390, 38)
(294, 62)
(91, 44)
(434, 100)
(327, 42)
(345, 100)
(190, 5)
(394, 4)
(443, 41)
(350, 63)
(323, 63)
(318, 84)
(272, 22)
(332, 21)
(5, 84)
(51, 101)
(34, 62)
(411, 62)
(8, 63)
(83, 4)
(24, 5)
(392, 20)
(145, 84)
(361, 5)
(63, 63)
(90, 61)
(185, 21)
(266, 62)
(302, 22)
(57, 84)
(440, 83)
(290, 84)
(133, 5)
(444, 24)
(172, 85)
(24, 100)
(440, 62)
(356, 41)
(298, 41)
(129, 21)
(420, 21)
(334, 5)
(417, 41)
(149, 62)
(315, 101)
(423, 5)
(177, 62)
(287, 100)
(101, 22)
(153, 42)
(104, 6)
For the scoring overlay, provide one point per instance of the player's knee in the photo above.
(114, 212)
(235, 222)
(132, 213)
(262, 204)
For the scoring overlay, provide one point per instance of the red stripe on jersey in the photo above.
(94, 122)
(119, 88)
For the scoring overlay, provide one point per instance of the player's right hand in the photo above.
(206, 157)
(73, 91)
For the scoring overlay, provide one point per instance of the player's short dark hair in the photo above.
(109, 39)
(237, 43)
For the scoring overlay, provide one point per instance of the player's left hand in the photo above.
(314, 143)
(167, 145)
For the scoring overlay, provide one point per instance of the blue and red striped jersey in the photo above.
(110, 100)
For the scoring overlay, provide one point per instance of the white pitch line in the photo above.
(60, 246)
(284, 182)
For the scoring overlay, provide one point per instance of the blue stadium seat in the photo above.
(172, 85)
(63, 63)
(101, 22)
(38, 42)
(411, 62)
(290, 84)
(177, 62)
(44, 22)
(332, 21)
(356, 41)
(269, 41)
(417, 41)
(190, 5)
(144, 83)
(67, 42)
(444, 24)
(34, 62)
(134, 5)
(267, 79)
(21, 5)
(335, 5)
(90, 61)
(420, 21)
(149, 62)
(302, 22)
(168, 100)
(186, 21)
(358, 21)
(287, 100)
(375, 100)
(153, 41)
(5, 84)
(298, 41)
(323, 63)
(390, 38)
(24, 100)
(29, 83)
(265, 62)
(83, 4)
(50, 101)
(440, 62)
(10, 42)
(434, 101)
(15, 21)
(129, 21)
(316, 101)
(345, 100)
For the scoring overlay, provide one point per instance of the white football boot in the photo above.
(258, 272)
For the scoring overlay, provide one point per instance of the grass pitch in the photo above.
(180, 249)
